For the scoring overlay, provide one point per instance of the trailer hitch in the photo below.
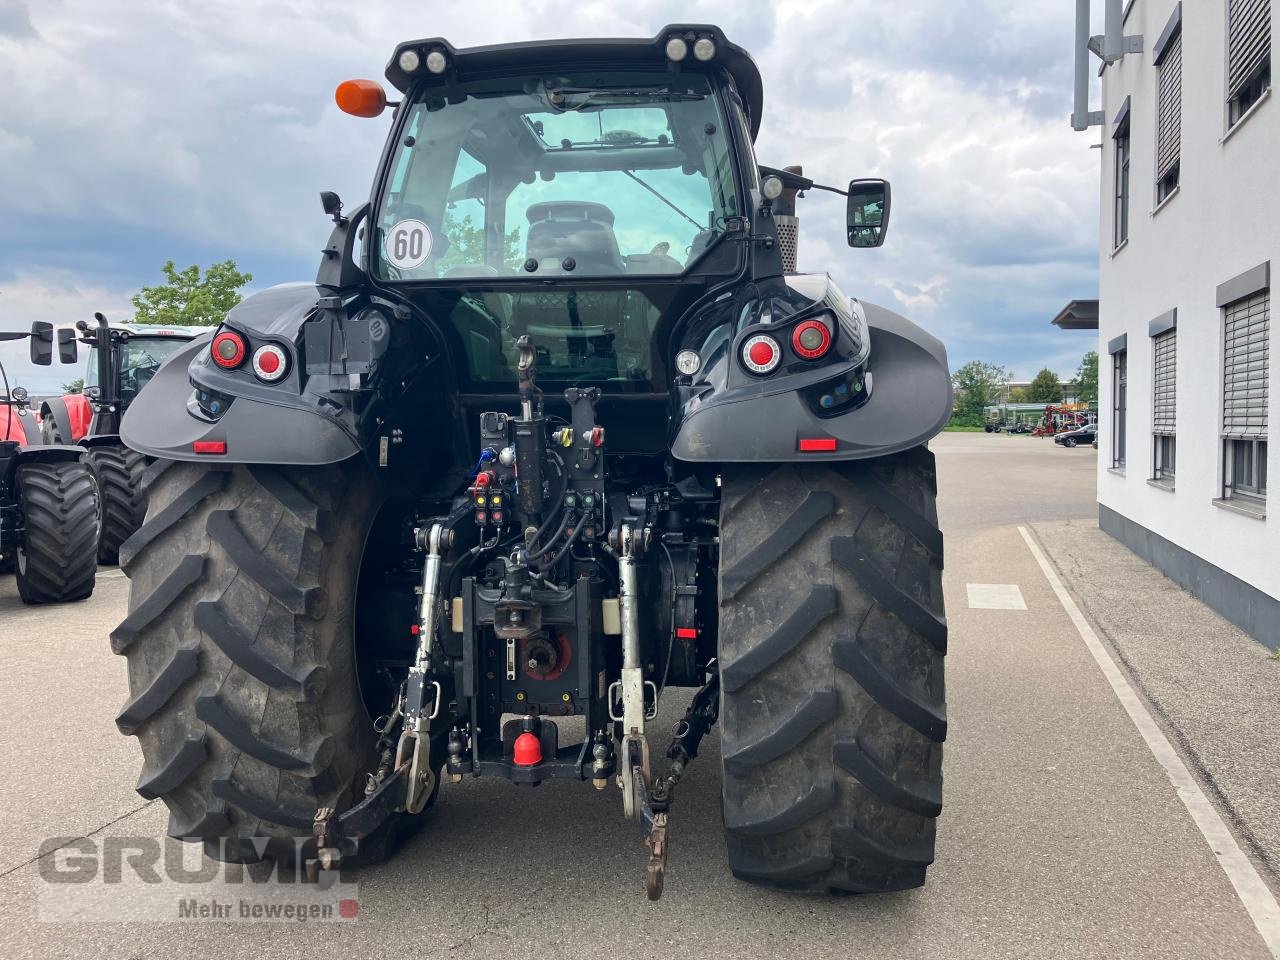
(653, 805)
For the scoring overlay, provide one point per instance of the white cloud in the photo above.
(60, 298)
(214, 124)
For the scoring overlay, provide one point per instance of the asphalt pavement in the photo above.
(1061, 834)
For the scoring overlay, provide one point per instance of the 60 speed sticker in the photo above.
(408, 244)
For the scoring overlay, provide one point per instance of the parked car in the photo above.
(1073, 438)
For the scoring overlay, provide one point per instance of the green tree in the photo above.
(187, 297)
(1018, 395)
(1045, 388)
(74, 386)
(466, 244)
(978, 386)
(1086, 381)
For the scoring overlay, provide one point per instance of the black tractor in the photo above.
(48, 505)
(122, 360)
(558, 428)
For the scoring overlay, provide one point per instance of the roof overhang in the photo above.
(1078, 315)
(515, 58)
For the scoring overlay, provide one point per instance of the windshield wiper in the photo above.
(663, 199)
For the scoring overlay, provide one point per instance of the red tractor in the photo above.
(48, 508)
(122, 360)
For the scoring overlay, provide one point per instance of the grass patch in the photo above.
(958, 428)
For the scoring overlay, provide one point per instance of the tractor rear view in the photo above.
(558, 428)
(48, 507)
(122, 360)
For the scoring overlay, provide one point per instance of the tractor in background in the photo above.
(48, 508)
(122, 360)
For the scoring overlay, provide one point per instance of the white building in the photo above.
(1190, 231)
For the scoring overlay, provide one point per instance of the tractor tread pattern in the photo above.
(932, 626)
(229, 647)
(816, 607)
(60, 511)
(815, 508)
(189, 755)
(237, 733)
(833, 711)
(122, 502)
(240, 649)
(182, 666)
(208, 484)
(296, 817)
(819, 707)
(820, 797)
(255, 565)
(189, 569)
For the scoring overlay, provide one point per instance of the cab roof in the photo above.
(178, 331)
(514, 58)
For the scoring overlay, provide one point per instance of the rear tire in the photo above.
(239, 638)
(121, 504)
(49, 432)
(56, 560)
(832, 638)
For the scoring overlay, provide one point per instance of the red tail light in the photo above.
(761, 354)
(227, 349)
(209, 447)
(270, 363)
(811, 339)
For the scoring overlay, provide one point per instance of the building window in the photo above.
(1119, 403)
(1248, 55)
(1168, 59)
(1121, 138)
(1164, 403)
(1246, 350)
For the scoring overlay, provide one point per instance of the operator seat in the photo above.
(559, 229)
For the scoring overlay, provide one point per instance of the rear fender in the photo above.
(283, 422)
(38, 454)
(73, 413)
(908, 401)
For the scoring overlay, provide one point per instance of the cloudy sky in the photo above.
(133, 132)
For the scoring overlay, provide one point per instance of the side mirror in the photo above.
(42, 343)
(868, 213)
(67, 350)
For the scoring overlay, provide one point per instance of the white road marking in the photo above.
(995, 596)
(1252, 891)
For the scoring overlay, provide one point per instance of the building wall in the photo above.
(1224, 220)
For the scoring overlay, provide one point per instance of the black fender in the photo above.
(908, 401)
(263, 423)
(55, 408)
(37, 453)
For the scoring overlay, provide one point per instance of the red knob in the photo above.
(528, 750)
(484, 479)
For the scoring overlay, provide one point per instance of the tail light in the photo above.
(811, 339)
(270, 363)
(227, 349)
(761, 354)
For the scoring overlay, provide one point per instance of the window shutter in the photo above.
(1169, 116)
(1165, 383)
(1248, 41)
(1244, 412)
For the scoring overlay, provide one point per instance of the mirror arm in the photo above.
(819, 186)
